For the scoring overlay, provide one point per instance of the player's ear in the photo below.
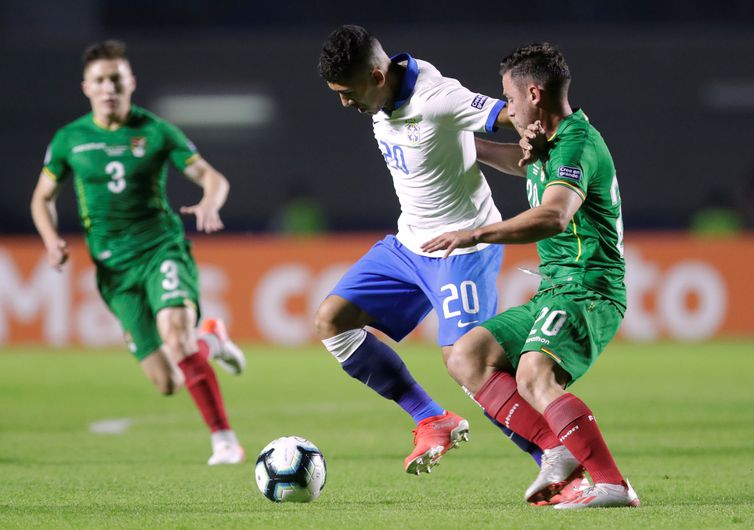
(379, 77)
(534, 94)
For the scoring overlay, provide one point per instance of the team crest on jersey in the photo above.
(479, 101)
(138, 146)
(413, 132)
(129, 342)
(570, 173)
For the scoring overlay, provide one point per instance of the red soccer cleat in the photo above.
(433, 437)
(569, 493)
(603, 496)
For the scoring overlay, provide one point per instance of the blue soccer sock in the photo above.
(376, 364)
(525, 445)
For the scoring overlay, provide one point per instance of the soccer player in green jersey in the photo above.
(117, 155)
(518, 364)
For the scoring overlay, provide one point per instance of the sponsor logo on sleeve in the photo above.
(479, 101)
(570, 173)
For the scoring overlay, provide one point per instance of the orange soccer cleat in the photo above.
(433, 437)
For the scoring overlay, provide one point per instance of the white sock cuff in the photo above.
(213, 343)
(224, 436)
(343, 345)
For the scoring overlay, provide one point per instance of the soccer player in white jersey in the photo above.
(424, 124)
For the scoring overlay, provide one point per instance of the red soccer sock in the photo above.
(577, 429)
(202, 384)
(500, 398)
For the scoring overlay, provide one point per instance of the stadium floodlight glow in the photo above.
(732, 96)
(216, 110)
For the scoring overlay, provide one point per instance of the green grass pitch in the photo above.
(678, 417)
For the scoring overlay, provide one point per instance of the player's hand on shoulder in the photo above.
(207, 216)
(57, 254)
(449, 241)
(533, 144)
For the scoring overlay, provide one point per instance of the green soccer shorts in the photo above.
(165, 276)
(568, 323)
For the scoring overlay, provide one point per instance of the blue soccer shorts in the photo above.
(398, 288)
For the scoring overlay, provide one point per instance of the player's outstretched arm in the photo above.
(216, 187)
(551, 217)
(512, 158)
(45, 218)
(503, 157)
(503, 120)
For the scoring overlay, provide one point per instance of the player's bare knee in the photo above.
(530, 381)
(337, 315)
(323, 323)
(176, 331)
(536, 387)
(457, 369)
(462, 361)
(526, 386)
(173, 345)
(178, 343)
(329, 320)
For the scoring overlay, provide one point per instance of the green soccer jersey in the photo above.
(119, 178)
(590, 250)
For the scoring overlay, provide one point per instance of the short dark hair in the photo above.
(345, 52)
(543, 63)
(109, 49)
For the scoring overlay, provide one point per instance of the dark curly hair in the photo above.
(344, 53)
(541, 62)
(109, 49)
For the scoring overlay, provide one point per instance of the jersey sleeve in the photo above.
(571, 164)
(181, 151)
(56, 163)
(455, 105)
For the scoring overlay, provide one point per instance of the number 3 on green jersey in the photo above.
(117, 173)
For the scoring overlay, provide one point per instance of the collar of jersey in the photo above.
(578, 113)
(104, 127)
(409, 80)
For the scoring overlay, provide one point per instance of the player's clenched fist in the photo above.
(57, 254)
(533, 143)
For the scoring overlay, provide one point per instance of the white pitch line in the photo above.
(111, 426)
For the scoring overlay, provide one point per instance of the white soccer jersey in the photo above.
(428, 145)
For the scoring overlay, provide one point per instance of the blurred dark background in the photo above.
(670, 84)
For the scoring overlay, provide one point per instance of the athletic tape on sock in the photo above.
(343, 345)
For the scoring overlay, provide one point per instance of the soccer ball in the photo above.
(291, 469)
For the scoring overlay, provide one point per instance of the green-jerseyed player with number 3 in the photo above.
(518, 364)
(117, 156)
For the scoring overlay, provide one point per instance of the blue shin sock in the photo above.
(525, 445)
(376, 365)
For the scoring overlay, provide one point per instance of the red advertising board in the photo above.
(268, 288)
